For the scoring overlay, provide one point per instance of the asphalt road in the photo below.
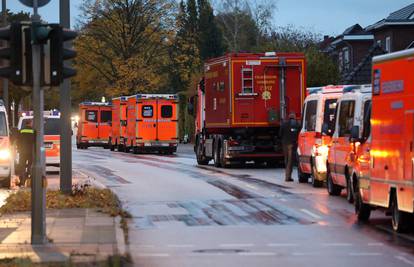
(186, 215)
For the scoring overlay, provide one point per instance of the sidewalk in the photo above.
(75, 235)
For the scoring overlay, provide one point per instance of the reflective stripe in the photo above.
(27, 131)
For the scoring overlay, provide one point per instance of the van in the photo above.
(152, 123)
(117, 139)
(314, 137)
(6, 159)
(351, 107)
(94, 124)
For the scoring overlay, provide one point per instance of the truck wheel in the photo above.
(400, 220)
(362, 210)
(111, 147)
(78, 146)
(217, 154)
(349, 193)
(201, 159)
(333, 189)
(302, 177)
(315, 182)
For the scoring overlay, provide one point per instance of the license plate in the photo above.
(48, 145)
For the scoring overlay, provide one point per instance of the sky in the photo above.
(327, 17)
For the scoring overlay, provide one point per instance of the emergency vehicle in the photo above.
(51, 135)
(314, 138)
(351, 107)
(6, 159)
(384, 171)
(118, 138)
(152, 123)
(240, 104)
(94, 124)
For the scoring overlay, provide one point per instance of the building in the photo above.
(354, 48)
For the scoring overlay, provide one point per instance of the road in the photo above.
(186, 215)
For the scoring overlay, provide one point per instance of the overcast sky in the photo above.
(321, 16)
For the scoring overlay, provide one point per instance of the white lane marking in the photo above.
(313, 215)
(337, 244)
(377, 244)
(404, 259)
(252, 187)
(180, 246)
(236, 245)
(357, 254)
(155, 255)
(282, 245)
(256, 254)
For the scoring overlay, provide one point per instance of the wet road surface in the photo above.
(186, 215)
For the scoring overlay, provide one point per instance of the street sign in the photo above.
(29, 3)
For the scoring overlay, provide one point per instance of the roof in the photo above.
(354, 29)
(403, 16)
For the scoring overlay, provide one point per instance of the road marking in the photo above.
(180, 246)
(405, 260)
(155, 255)
(357, 254)
(250, 186)
(313, 215)
(236, 245)
(282, 245)
(283, 199)
(304, 253)
(256, 254)
(378, 244)
(337, 244)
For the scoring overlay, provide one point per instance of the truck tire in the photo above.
(201, 159)
(333, 189)
(315, 182)
(349, 191)
(362, 210)
(217, 155)
(400, 220)
(302, 177)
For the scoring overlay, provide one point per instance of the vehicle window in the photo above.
(106, 116)
(310, 117)
(91, 115)
(166, 111)
(346, 118)
(367, 120)
(3, 124)
(147, 111)
(26, 124)
(52, 126)
(329, 114)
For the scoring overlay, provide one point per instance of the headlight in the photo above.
(322, 150)
(4, 154)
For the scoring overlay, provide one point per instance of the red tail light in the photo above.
(233, 143)
(318, 135)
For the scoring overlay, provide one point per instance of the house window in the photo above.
(347, 60)
(388, 44)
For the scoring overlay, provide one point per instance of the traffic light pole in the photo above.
(65, 116)
(38, 178)
(5, 81)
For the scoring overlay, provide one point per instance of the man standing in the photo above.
(289, 135)
(25, 147)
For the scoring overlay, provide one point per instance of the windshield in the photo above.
(3, 124)
(51, 125)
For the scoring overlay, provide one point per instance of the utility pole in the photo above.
(38, 179)
(65, 115)
(5, 81)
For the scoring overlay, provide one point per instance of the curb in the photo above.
(120, 237)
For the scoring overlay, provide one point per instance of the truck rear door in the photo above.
(90, 126)
(105, 116)
(147, 120)
(167, 120)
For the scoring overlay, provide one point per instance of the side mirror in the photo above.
(354, 134)
(325, 128)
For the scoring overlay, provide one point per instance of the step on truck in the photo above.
(315, 135)
(384, 172)
(94, 124)
(152, 123)
(118, 138)
(241, 102)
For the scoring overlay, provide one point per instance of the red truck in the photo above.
(241, 102)
(118, 138)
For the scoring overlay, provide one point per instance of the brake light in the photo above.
(233, 143)
(318, 135)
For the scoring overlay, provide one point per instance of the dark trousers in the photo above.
(288, 155)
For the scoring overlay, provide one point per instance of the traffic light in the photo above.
(13, 53)
(58, 54)
(40, 33)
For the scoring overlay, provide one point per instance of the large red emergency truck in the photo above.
(94, 124)
(384, 172)
(241, 102)
(152, 123)
(117, 138)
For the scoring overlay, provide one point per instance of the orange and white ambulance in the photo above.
(384, 172)
(152, 123)
(51, 135)
(94, 124)
(117, 138)
(314, 137)
(351, 107)
(6, 159)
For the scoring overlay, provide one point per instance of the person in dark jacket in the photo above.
(288, 133)
(25, 147)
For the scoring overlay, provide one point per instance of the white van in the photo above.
(6, 159)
